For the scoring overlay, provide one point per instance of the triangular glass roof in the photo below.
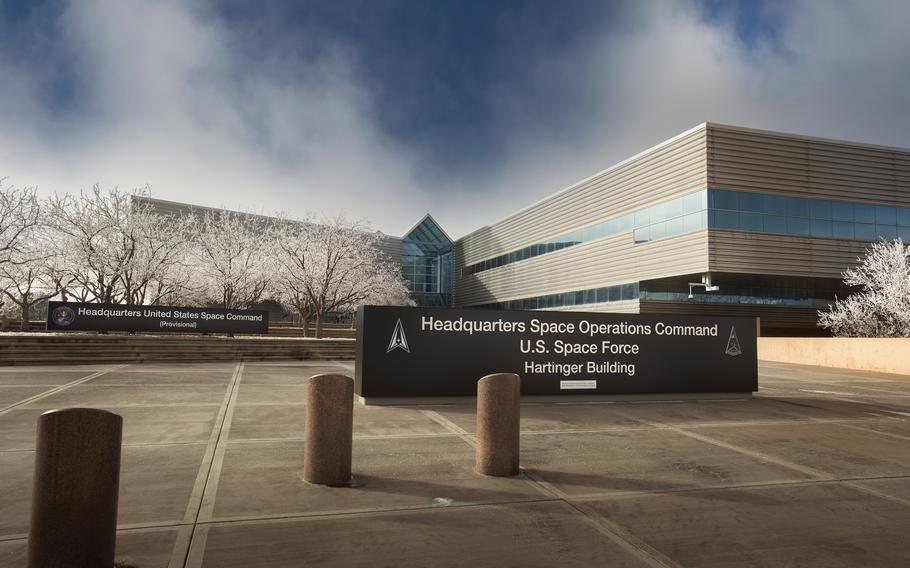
(427, 237)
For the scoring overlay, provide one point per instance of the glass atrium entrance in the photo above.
(426, 263)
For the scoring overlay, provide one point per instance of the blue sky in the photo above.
(389, 109)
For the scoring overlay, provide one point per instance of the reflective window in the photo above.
(695, 221)
(797, 207)
(617, 293)
(801, 216)
(750, 221)
(821, 228)
(695, 202)
(887, 232)
(724, 199)
(726, 209)
(820, 209)
(753, 289)
(775, 224)
(726, 219)
(885, 215)
(751, 202)
(775, 204)
(864, 232)
(658, 231)
(863, 213)
(797, 226)
(676, 226)
(841, 230)
(842, 211)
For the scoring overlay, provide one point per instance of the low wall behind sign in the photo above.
(405, 352)
(78, 316)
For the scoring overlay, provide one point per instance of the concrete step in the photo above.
(89, 348)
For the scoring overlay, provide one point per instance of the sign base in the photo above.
(560, 398)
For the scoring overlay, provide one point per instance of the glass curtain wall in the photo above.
(758, 212)
(680, 215)
(726, 209)
(426, 263)
(617, 293)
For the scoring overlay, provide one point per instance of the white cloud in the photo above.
(168, 106)
(172, 102)
(838, 70)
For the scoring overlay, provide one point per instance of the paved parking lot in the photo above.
(812, 471)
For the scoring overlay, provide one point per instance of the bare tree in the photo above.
(30, 276)
(294, 241)
(881, 306)
(158, 267)
(389, 288)
(20, 211)
(95, 228)
(234, 258)
(117, 249)
(346, 268)
(26, 284)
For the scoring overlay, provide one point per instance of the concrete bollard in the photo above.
(498, 424)
(74, 498)
(329, 430)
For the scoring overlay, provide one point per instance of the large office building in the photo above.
(717, 220)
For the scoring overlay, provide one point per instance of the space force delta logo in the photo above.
(733, 347)
(399, 339)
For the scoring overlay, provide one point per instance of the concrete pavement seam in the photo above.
(877, 493)
(624, 538)
(214, 476)
(61, 388)
(182, 548)
(812, 472)
(451, 426)
(871, 431)
(258, 519)
(761, 456)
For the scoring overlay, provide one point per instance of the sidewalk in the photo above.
(812, 471)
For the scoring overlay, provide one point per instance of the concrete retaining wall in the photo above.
(75, 348)
(861, 354)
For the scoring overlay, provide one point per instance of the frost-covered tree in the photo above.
(117, 249)
(158, 269)
(346, 269)
(30, 276)
(881, 306)
(295, 246)
(26, 284)
(389, 288)
(20, 212)
(233, 257)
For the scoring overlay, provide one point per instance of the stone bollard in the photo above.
(74, 498)
(498, 424)
(329, 430)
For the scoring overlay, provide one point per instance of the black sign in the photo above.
(405, 352)
(73, 316)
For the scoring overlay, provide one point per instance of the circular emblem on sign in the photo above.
(63, 316)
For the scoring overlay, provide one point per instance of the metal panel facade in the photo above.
(673, 168)
(710, 156)
(770, 162)
(756, 253)
(774, 163)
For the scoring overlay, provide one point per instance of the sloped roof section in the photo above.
(427, 237)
